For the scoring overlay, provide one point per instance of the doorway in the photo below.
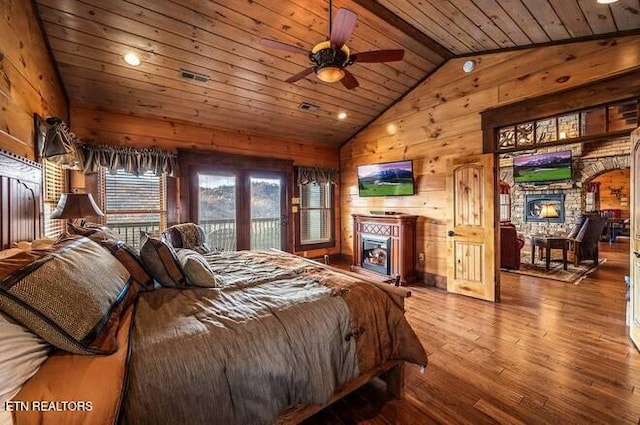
(241, 209)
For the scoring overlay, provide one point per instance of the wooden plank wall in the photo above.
(28, 79)
(440, 119)
(617, 179)
(98, 126)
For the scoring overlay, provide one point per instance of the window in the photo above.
(133, 204)
(608, 118)
(316, 216)
(54, 186)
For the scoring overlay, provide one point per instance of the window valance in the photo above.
(134, 161)
(307, 175)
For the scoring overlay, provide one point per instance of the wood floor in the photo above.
(551, 352)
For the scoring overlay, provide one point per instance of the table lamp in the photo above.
(76, 205)
(548, 211)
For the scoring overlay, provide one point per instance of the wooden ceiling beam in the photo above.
(394, 20)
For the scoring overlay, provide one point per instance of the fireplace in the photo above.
(384, 247)
(376, 254)
(533, 205)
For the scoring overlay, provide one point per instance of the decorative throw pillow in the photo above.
(160, 260)
(129, 258)
(196, 269)
(42, 243)
(187, 235)
(6, 253)
(93, 231)
(21, 354)
(72, 295)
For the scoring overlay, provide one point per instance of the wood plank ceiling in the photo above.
(246, 90)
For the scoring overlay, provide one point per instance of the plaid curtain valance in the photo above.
(134, 161)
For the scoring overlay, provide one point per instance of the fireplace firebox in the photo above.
(533, 206)
(376, 254)
(384, 247)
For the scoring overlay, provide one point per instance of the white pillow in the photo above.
(21, 354)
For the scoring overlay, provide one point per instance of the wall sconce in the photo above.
(61, 146)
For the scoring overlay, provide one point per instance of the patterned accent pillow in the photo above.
(187, 235)
(160, 260)
(72, 295)
(93, 231)
(196, 269)
(129, 258)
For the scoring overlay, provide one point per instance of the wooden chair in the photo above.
(584, 245)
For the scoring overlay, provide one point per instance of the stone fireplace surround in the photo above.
(613, 155)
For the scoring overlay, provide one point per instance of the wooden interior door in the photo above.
(471, 259)
(634, 326)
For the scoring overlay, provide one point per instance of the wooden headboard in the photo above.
(20, 199)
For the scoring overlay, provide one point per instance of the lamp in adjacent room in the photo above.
(76, 205)
(548, 211)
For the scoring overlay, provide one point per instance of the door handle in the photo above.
(451, 233)
(637, 254)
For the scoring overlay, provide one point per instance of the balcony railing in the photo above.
(220, 234)
(130, 232)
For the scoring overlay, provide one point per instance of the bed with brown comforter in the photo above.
(280, 332)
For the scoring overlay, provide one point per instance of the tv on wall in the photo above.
(544, 167)
(386, 179)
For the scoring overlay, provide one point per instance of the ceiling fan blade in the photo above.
(378, 56)
(299, 75)
(283, 46)
(349, 81)
(343, 26)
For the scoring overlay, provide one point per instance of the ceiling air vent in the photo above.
(190, 75)
(308, 107)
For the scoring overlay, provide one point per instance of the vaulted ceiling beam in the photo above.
(392, 19)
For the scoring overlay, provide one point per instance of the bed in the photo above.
(272, 338)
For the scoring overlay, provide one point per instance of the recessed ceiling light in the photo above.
(606, 1)
(342, 115)
(468, 66)
(132, 59)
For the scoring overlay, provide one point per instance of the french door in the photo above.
(241, 209)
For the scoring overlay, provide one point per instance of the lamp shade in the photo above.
(76, 205)
(549, 211)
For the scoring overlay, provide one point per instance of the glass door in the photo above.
(267, 218)
(217, 195)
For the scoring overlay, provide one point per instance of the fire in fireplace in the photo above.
(376, 254)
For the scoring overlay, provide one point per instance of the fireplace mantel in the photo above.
(401, 229)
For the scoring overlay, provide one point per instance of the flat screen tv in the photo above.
(386, 179)
(544, 167)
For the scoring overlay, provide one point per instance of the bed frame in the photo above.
(21, 219)
(391, 372)
(20, 199)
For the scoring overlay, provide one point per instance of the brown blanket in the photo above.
(280, 332)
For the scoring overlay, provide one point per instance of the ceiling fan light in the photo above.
(330, 74)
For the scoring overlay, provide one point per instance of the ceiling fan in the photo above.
(331, 58)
